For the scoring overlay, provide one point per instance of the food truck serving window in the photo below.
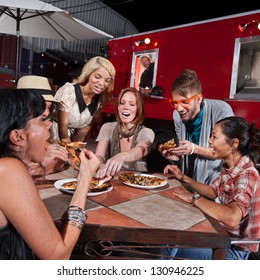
(245, 81)
(137, 68)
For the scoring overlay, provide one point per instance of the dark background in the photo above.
(147, 16)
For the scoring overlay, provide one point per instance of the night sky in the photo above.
(146, 17)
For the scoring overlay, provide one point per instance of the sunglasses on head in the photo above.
(184, 103)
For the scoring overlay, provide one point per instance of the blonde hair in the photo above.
(91, 66)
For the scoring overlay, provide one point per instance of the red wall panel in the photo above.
(206, 47)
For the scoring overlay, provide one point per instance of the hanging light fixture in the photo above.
(243, 27)
(146, 41)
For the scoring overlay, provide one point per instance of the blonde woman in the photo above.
(82, 100)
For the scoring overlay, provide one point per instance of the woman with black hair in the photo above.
(237, 188)
(27, 230)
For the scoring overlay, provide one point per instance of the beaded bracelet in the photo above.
(70, 214)
(73, 220)
(75, 216)
(75, 224)
(75, 207)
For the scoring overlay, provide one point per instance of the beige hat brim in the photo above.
(49, 97)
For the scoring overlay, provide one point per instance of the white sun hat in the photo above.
(38, 84)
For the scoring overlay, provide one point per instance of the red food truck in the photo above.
(225, 53)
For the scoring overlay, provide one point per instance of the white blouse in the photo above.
(68, 103)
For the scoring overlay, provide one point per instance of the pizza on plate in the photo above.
(70, 186)
(141, 180)
(94, 185)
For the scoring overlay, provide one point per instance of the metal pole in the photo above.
(17, 45)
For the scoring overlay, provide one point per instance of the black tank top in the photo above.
(12, 246)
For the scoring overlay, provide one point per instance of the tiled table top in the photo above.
(127, 212)
(129, 206)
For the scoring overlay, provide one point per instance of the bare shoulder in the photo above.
(11, 166)
(15, 179)
(7, 162)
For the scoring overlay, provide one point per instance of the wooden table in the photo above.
(133, 223)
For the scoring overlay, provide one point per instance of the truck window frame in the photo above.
(137, 69)
(245, 79)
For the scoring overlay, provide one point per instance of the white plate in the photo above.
(147, 187)
(58, 185)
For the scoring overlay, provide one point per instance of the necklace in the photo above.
(126, 134)
(26, 165)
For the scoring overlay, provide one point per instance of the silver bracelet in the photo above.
(74, 216)
(192, 149)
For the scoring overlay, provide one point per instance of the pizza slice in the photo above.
(73, 149)
(71, 186)
(100, 184)
(76, 145)
(168, 145)
(96, 184)
(73, 155)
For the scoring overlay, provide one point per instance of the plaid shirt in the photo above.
(241, 183)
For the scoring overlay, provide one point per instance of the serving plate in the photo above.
(148, 187)
(59, 185)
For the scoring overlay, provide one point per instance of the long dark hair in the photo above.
(17, 107)
(247, 134)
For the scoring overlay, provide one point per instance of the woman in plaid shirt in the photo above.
(237, 188)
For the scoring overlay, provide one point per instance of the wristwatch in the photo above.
(195, 197)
